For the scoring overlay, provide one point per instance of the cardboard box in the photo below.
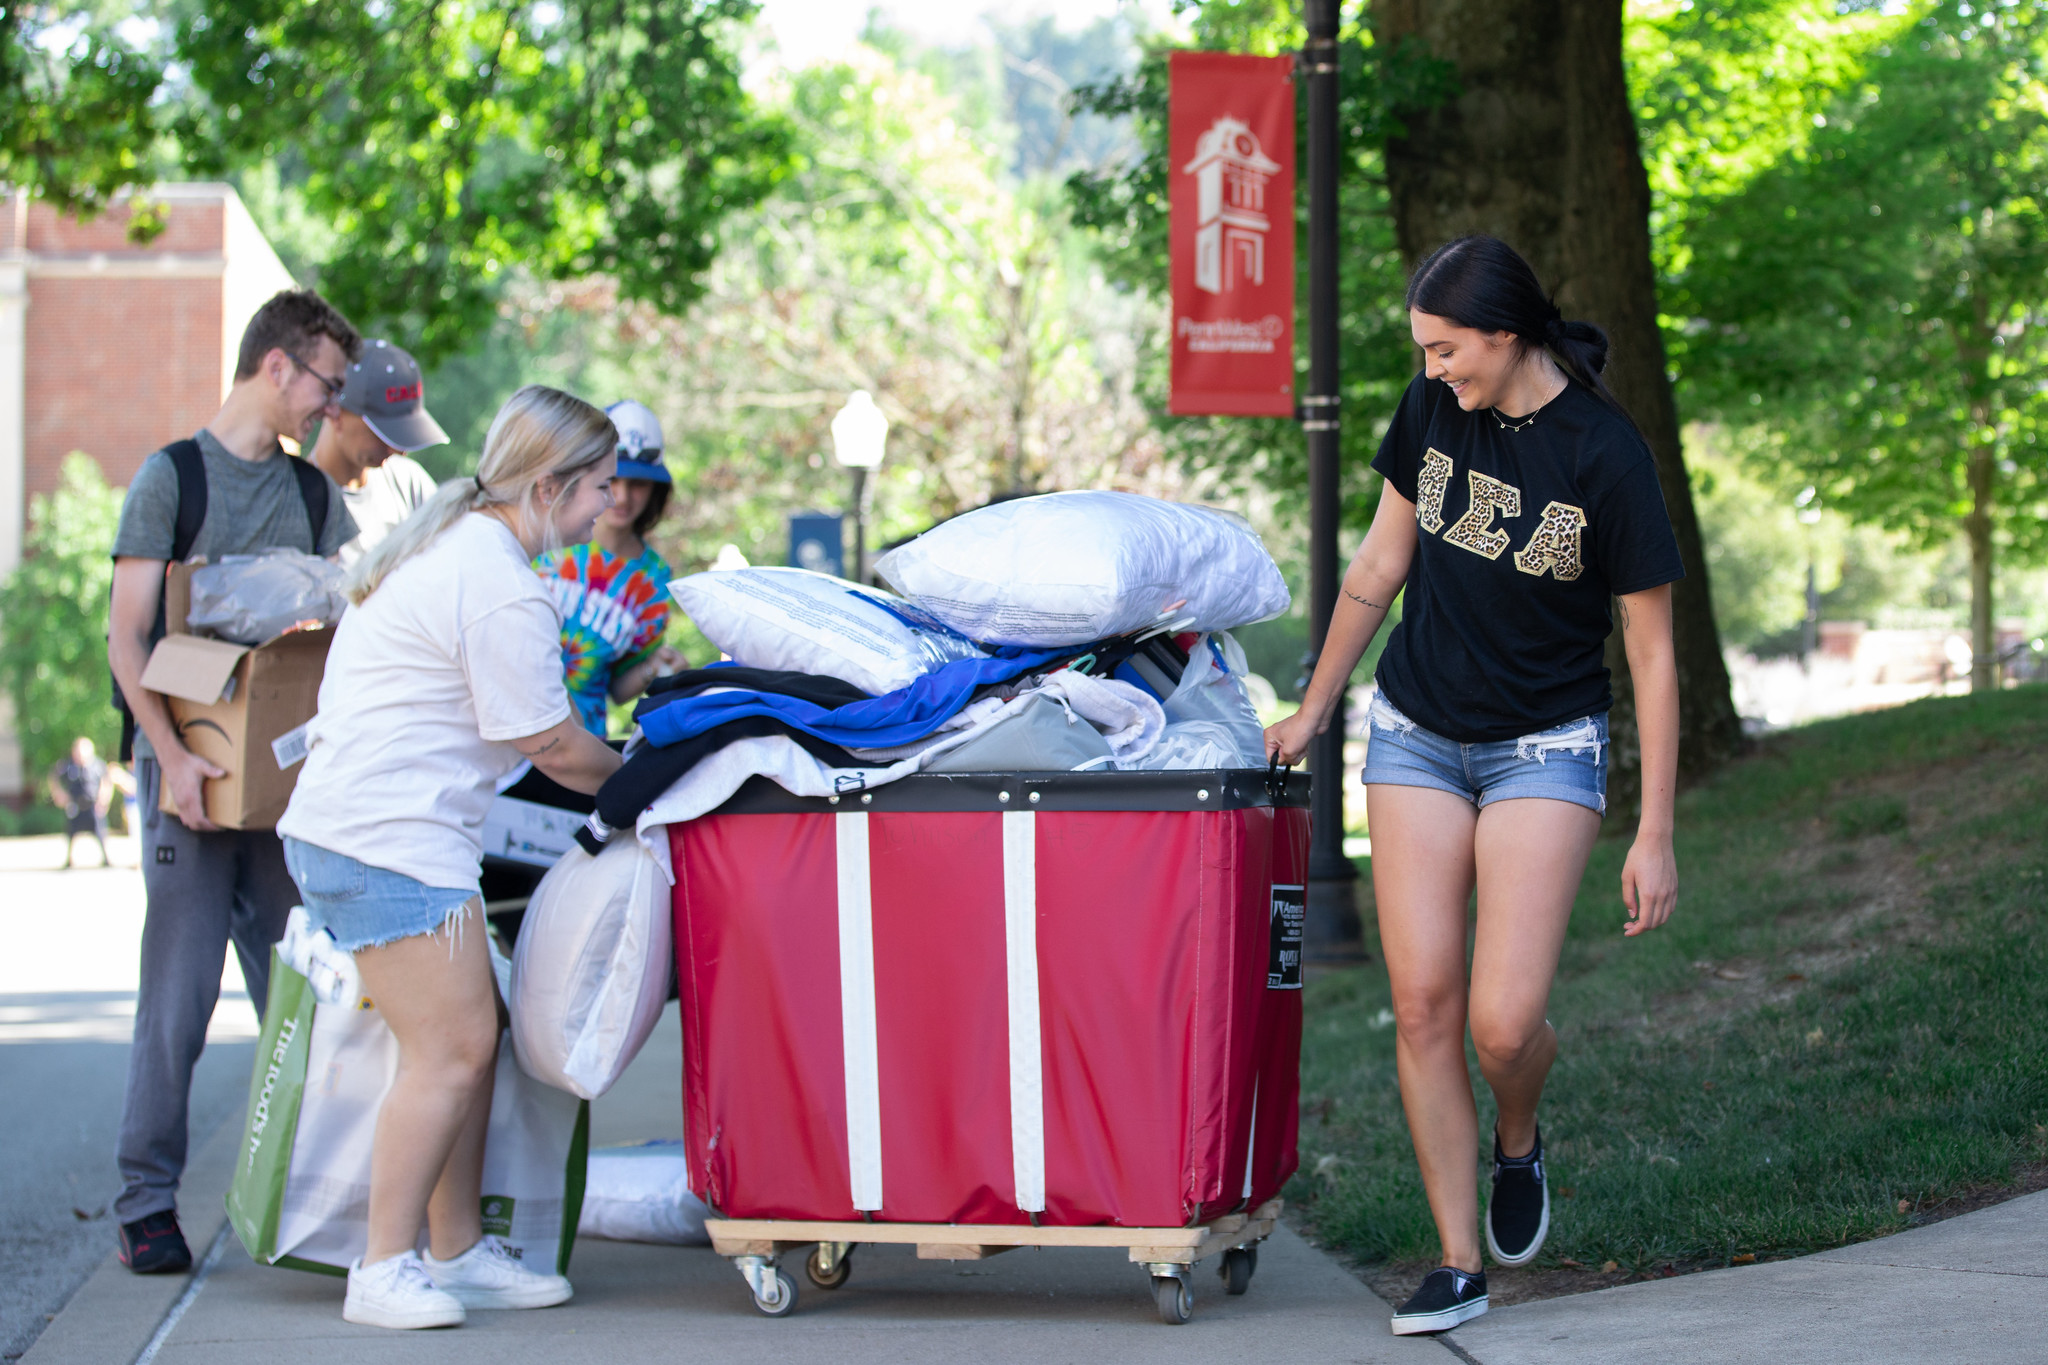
(243, 708)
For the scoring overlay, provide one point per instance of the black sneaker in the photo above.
(1448, 1297)
(1518, 1215)
(154, 1245)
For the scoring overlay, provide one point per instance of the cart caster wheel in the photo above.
(1176, 1301)
(783, 1302)
(1237, 1269)
(842, 1268)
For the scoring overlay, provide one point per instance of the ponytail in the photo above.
(540, 433)
(1483, 283)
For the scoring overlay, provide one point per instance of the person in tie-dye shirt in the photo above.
(613, 592)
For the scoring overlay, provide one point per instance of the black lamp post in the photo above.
(1331, 933)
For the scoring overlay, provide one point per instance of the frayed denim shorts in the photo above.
(364, 906)
(1564, 763)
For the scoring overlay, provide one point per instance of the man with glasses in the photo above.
(230, 489)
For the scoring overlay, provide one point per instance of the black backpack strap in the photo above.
(313, 489)
(191, 467)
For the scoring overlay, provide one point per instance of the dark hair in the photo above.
(657, 503)
(291, 321)
(1483, 283)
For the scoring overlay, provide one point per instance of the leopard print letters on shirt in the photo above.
(1553, 548)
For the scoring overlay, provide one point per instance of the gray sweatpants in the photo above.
(205, 890)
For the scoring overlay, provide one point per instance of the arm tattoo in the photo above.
(536, 753)
(1376, 606)
(1622, 604)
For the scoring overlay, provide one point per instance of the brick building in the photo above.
(114, 349)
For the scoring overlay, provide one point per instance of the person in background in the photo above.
(613, 592)
(208, 886)
(81, 787)
(364, 449)
(442, 676)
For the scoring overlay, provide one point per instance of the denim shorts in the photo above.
(1563, 763)
(364, 906)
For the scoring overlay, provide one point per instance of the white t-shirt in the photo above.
(457, 653)
(388, 495)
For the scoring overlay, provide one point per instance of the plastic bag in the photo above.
(329, 969)
(250, 599)
(1191, 744)
(1212, 690)
(1071, 568)
(642, 1193)
(809, 622)
(590, 971)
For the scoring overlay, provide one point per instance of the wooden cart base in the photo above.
(756, 1246)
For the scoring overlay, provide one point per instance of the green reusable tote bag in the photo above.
(256, 1197)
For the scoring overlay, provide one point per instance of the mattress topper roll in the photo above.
(1070, 568)
(804, 622)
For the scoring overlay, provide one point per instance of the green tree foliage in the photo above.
(1126, 207)
(76, 126)
(444, 143)
(1878, 294)
(53, 620)
(451, 140)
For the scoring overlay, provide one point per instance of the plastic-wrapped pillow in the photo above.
(1070, 568)
(805, 622)
(590, 970)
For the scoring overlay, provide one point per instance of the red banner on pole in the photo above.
(1231, 148)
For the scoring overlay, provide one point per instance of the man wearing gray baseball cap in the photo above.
(383, 418)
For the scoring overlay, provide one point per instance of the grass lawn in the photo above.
(1842, 1031)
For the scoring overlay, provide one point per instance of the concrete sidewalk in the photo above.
(1972, 1289)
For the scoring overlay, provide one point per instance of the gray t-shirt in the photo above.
(251, 505)
(389, 494)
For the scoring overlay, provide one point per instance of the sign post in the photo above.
(1332, 930)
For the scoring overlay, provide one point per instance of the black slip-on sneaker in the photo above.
(154, 1245)
(1448, 1297)
(1518, 1215)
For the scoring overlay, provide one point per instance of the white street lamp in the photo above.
(859, 435)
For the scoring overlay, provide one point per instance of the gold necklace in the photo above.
(1506, 425)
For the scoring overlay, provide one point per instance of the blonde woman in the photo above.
(445, 673)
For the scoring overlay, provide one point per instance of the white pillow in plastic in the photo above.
(805, 622)
(642, 1193)
(1070, 568)
(590, 971)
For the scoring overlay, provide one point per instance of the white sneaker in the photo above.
(488, 1275)
(397, 1293)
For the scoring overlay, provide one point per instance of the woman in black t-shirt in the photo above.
(1520, 500)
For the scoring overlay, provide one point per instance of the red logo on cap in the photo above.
(399, 393)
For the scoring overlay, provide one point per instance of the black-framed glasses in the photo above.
(333, 386)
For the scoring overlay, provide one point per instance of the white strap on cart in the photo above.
(857, 1012)
(1020, 937)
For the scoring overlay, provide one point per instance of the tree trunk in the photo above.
(1982, 472)
(1539, 148)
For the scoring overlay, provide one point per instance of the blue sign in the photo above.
(817, 541)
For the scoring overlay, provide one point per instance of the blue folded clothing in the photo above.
(900, 717)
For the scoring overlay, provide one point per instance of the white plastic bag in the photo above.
(1210, 719)
(642, 1193)
(590, 972)
(1070, 568)
(330, 970)
(807, 622)
(250, 599)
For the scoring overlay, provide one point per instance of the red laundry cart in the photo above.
(972, 1012)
